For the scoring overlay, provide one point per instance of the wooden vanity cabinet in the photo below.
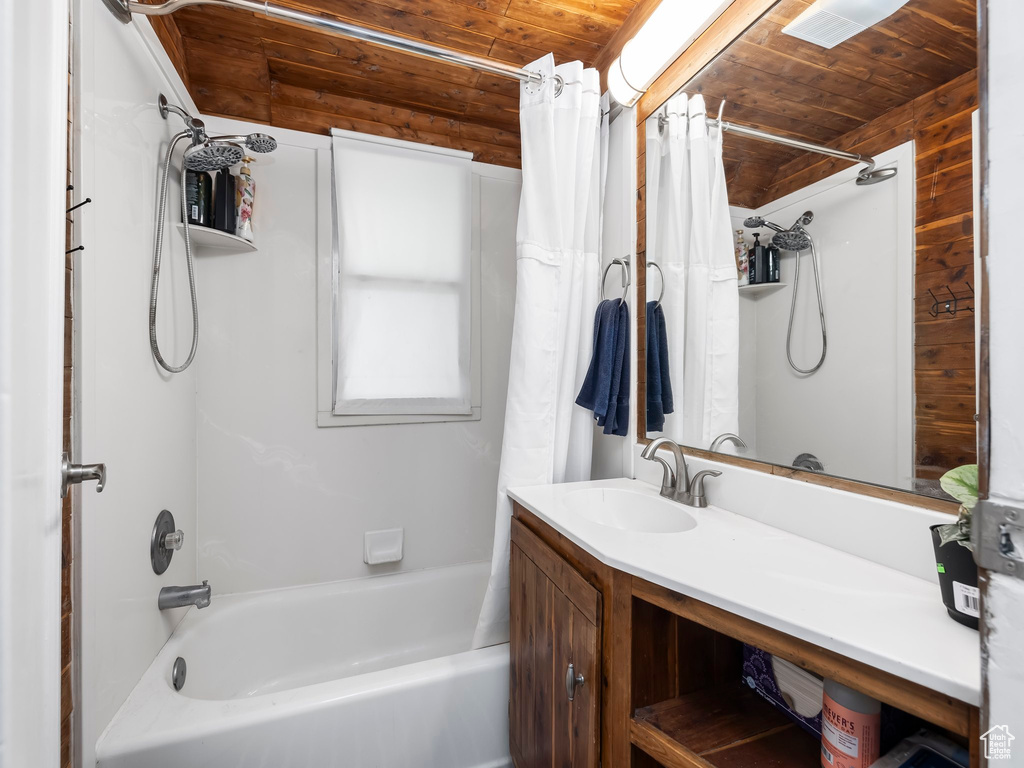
(662, 681)
(555, 682)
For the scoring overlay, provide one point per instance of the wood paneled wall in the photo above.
(944, 370)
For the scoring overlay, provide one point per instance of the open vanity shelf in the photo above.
(727, 725)
(692, 709)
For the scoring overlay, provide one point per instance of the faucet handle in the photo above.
(697, 483)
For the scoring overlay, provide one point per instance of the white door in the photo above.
(33, 126)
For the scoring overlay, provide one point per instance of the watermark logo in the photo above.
(997, 742)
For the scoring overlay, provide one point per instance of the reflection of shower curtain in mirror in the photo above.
(690, 236)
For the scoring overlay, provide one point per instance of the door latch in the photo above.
(997, 533)
(572, 681)
(73, 474)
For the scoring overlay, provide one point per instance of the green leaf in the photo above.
(962, 484)
(952, 532)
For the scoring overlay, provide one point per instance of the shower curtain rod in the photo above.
(868, 176)
(123, 10)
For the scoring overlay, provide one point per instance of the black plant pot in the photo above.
(958, 580)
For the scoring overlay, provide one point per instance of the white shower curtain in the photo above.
(548, 438)
(691, 239)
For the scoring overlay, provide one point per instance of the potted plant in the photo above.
(954, 553)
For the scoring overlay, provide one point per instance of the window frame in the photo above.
(327, 295)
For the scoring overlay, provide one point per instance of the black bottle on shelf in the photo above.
(772, 270)
(224, 202)
(757, 260)
(199, 198)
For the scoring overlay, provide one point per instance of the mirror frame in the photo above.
(733, 22)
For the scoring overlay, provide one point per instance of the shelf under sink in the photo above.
(726, 727)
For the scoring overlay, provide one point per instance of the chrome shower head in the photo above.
(795, 239)
(212, 155)
(759, 221)
(260, 142)
(805, 218)
(255, 142)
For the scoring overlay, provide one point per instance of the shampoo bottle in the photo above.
(224, 204)
(742, 264)
(850, 727)
(757, 261)
(245, 193)
(773, 263)
(198, 198)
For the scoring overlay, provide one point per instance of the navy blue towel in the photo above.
(659, 383)
(605, 389)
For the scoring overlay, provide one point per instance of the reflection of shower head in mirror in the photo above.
(793, 239)
(759, 221)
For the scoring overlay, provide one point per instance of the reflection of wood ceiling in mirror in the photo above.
(787, 86)
(239, 64)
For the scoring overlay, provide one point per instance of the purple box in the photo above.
(758, 674)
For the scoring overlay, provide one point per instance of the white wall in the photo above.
(611, 454)
(33, 88)
(136, 419)
(283, 502)
(1004, 597)
(856, 412)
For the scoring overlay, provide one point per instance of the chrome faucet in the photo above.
(178, 597)
(675, 482)
(727, 437)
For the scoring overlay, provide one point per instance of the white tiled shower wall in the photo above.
(283, 502)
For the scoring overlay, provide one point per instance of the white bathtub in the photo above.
(369, 673)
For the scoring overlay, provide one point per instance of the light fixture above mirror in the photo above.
(666, 34)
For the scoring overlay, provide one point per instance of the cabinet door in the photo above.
(555, 620)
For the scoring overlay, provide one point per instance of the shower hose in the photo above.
(792, 311)
(161, 210)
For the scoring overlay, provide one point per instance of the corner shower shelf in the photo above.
(213, 240)
(758, 290)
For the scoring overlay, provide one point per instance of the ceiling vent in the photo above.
(829, 22)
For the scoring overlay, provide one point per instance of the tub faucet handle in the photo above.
(174, 540)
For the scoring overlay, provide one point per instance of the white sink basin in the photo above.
(629, 511)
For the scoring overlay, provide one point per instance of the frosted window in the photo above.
(403, 298)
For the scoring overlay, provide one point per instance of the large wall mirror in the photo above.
(798, 308)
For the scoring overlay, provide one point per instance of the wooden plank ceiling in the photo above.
(790, 87)
(243, 65)
(240, 64)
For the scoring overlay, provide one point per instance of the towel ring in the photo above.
(661, 294)
(624, 263)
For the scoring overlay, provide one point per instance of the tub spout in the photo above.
(178, 597)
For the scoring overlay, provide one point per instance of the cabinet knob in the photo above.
(572, 681)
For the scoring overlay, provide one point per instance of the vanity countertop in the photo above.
(863, 610)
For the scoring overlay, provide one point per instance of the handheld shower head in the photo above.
(260, 142)
(759, 221)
